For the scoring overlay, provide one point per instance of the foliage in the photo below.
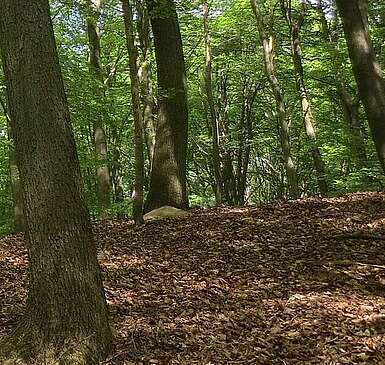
(237, 59)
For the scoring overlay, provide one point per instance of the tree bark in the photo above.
(146, 85)
(137, 111)
(66, 318)
(367, 71)
(168, 175)
(216, 157)
(295, 26)
(100, 139)
(268, 53)
(348, 103)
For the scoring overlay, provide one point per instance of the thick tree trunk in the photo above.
(216, 158)
(168, 175)
(367, 71)
(268, 52)
(66, 318)
(307, 112)
(100, 139)
(137, 111)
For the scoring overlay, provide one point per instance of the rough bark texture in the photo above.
(268, 52)
(66, 318)
(168, 175)
(100, 140)
(295, 26)
(138, 119)
(367, 71)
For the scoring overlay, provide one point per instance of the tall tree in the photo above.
(93, 11)
(267, 40)
(213, 114)
(168, 184)
(295, 24)
(367, 71)
(66, 318)
(137, 111)
(349, 101)
(145, 79)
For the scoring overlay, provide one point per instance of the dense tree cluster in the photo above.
(274, 107)
(119, 107)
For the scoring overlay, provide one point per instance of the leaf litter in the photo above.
(297, 282)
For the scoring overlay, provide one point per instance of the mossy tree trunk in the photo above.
(66, 318)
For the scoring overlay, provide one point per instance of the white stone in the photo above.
(164, 212)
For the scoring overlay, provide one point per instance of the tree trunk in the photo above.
(168, 175)
(307, 112)
(349, 105)
(136, 107)
(227, 173)
(100, 139)
(245, 140)
(116, 165)
(17, 193)
(146, 90)
(216, 158)
(66, 318)
(367, 71)
(14, 175)
(242, 139)
(268, 53)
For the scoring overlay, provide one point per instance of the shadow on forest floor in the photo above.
(300, 282)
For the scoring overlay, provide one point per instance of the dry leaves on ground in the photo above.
(300, 282)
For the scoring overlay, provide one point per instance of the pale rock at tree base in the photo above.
(164, 212)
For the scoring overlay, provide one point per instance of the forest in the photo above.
(192, 182)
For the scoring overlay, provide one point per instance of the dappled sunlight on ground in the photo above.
(300, 282)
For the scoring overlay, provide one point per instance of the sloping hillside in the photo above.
(300, 282)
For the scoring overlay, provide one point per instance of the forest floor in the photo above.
(299, 282)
